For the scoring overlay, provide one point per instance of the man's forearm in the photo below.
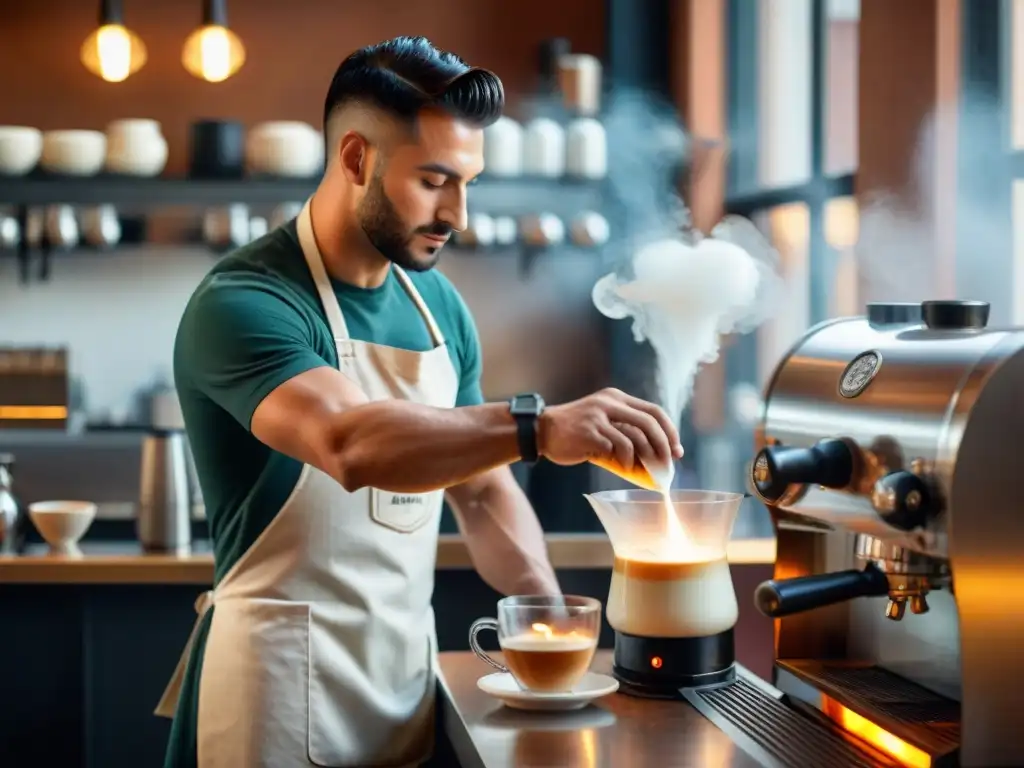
(407, 447)
(504, 537)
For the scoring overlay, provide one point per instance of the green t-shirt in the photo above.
(256, 321)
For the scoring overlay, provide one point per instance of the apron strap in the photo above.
(168, 703)
(335, 318)
(435, 331)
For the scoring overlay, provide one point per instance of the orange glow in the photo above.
(656, 662)
(30, 412)
(904, 753)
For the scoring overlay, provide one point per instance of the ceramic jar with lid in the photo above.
(135, 148)
(503, 148)
(544, 149)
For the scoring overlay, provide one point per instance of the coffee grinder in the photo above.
(671, 604)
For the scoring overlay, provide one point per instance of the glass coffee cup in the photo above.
(547, 642)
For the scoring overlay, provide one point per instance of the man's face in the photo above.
(417, 195)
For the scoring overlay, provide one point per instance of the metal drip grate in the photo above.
(907, 703)
(776, 734)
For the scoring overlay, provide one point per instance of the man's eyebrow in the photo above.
(444, 170)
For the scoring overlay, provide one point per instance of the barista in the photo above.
(330, 383)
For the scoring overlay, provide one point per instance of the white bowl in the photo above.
(74, 153)
(20, 149)
(62, 523)
(285, 148)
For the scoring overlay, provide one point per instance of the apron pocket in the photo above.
(371, 692)
(254, 686)
(404, 512)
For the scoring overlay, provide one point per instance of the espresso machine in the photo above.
(887, 456)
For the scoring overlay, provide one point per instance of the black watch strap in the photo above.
(526, 410)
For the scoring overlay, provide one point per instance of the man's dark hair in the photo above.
(405, 74)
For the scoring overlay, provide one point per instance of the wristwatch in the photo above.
(526, 409)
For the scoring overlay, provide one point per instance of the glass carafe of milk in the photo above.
(671, 576)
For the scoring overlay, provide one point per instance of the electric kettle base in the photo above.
(662, 667)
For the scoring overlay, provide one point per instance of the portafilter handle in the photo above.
(782, 597)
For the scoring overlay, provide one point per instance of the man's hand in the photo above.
(608, 427)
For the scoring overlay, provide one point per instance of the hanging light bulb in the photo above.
(213, 52)
(113, 51)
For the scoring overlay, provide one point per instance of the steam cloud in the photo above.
(683, 289)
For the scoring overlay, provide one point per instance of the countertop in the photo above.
(617, 731)
(126, 563)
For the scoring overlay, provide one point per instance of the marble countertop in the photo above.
(127, 563)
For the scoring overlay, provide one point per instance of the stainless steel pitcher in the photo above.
(164, 518)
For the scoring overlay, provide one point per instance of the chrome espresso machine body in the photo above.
(888, 457)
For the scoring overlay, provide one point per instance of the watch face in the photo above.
(526, 405)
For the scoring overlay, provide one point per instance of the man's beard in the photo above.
(390, 235)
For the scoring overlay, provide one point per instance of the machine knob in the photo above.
(955, 315)
(828, 462)
(902, 500)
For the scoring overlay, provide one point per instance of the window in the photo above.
(792, 102)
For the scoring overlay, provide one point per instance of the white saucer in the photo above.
(502, 686)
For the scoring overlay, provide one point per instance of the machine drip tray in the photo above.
(755, 716)
(922, 720)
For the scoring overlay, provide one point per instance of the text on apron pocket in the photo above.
(403, 512)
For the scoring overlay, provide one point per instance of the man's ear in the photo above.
(353, 157)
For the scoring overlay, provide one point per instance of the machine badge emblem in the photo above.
(859, 373)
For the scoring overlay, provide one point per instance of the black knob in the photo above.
(902, 500)
(955, 315)
(804, 593)
(827, 462)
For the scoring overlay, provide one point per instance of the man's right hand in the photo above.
(609, 427)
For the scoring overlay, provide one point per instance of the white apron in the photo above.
(322, 648)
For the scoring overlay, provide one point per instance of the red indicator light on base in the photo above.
(656, 662)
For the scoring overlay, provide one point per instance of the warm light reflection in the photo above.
(904, 753)
(549, 632)
(588, 749)
(33, 412)
(542, 629)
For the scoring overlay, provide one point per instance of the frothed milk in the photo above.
(658, 598)
(546, 663)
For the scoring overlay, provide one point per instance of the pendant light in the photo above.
(113, 51)
(213, 52)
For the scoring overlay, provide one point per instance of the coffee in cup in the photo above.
(547, 642)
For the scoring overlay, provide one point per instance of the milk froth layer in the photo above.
(535, 642)
(653, 598)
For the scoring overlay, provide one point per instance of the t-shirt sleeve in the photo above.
(470, 355)
(240, 339)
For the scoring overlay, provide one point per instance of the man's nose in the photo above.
(454, 211)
